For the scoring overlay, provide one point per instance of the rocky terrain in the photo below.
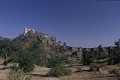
(37, 52)
(39, 73)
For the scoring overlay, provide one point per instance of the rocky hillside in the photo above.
(30, 43)
(37, 40)
(37, 43)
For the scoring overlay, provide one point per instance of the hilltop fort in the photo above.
(28, 30)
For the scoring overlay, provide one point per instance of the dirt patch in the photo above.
(3, 74)
(39, 73)
(88, 76)
(107, 68)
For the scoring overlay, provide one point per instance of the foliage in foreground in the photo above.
(78, 69)
(26, 61)
(94, 67)
(115, 72)
(60, 71)
(17, 74)
(55, 61)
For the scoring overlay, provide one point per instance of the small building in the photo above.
(26, 30)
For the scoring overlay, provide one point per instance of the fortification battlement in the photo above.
(26, 30)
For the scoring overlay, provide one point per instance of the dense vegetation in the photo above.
(108, 54)
(57, 66)
(33, 49)
(17, 74)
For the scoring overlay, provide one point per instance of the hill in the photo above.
(36, 44)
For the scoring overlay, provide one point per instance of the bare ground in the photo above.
(40, 72)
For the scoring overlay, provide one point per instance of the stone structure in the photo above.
(26, 30)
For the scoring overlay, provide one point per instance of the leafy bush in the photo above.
(60, 71)
(94, 67)
(55, 61)
(26, 62)
(115, 72)
(56, 72)
(78, 68)
(67, 71)
(17, 74)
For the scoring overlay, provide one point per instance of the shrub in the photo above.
(115, 72)
(26, 62)
(27, 67)
(60, 71)
(94, 67)
(56, 72)
(55, 61)
(78, 69)
(67, 71)
(17, 74)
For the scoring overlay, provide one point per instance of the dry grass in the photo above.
(40, 72)
(107, 68)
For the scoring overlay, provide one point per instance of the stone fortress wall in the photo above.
(26, 30)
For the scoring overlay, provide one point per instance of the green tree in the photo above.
(114, 54)
(88, 57)
(60, 71)
(26, 61)
(55, 61)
